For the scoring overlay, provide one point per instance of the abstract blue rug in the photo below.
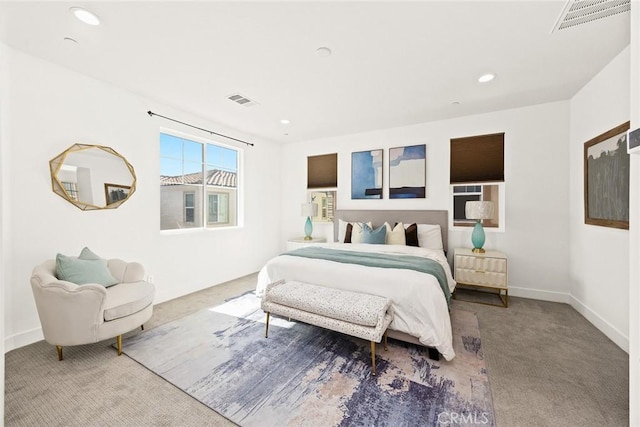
(307, 376)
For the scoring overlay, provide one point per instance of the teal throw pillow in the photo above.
(377, 236)
(83, 271)
(87, 253)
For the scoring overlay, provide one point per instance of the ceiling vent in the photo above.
(241, 100)
(578, 12)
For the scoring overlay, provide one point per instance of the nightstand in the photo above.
(299, 242)
(486, 270)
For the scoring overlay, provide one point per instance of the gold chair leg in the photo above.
(373, 358)
(385, 341)
(266, 331)
(59, 348)
(119, 342)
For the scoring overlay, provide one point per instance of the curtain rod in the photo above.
(151, 114)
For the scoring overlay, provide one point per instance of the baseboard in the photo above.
(604, 326)
(539, 294)
(24, 338)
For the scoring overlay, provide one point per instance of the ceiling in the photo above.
(392, 63)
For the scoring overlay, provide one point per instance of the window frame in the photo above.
(205, 189)
(487, 227)
(218, 195)
(185, 207)
(478, 160)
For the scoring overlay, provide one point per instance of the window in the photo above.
(218, 208)
(198, 183)
(477, 173)
(189, 207)
(476, 192)
(71, 188)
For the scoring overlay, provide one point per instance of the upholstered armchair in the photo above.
(72, 314)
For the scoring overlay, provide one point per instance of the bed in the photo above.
(419, 296)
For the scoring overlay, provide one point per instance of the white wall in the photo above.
(52, 108)
(536, 237)
(634, 225)
(4, 177)
(599, 260)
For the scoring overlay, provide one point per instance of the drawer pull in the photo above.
(480, 271)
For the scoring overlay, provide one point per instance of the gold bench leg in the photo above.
(373, 358)
(59, 348)
(266, 331)
(385, 341)
(119, 343)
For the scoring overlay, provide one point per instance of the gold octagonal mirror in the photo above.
(92, 177)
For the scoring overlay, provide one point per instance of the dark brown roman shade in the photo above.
(477, 158)
(322, 171)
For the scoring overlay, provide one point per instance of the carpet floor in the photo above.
(308, 376)
(547, 366)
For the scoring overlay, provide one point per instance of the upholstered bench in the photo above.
(360, 315)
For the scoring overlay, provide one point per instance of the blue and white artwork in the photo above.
(366, 175)
(408, 172)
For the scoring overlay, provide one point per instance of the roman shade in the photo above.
(477, 158)
(322, 171)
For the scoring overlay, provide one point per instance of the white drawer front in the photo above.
(496, 265)
(479, 277)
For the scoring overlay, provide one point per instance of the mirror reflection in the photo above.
(92, 177)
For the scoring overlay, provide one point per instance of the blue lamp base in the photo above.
(308, 229)
(477, 238)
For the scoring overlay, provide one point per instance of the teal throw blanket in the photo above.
(381, 260)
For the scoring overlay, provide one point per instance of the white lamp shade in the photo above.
(309, 209)
(479, 210)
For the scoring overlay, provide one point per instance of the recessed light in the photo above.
(323, 51)
(455, 103)
(285, 121)
(85, 16)
(486, 78)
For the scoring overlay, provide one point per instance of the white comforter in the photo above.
(420, 307)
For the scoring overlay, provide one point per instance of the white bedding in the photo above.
(420, 307)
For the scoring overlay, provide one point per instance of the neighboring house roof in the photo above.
(215, 177)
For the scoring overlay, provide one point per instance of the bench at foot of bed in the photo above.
(360, 315)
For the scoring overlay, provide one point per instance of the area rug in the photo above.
(307, 376)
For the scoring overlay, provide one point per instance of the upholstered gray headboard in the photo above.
(378, 217)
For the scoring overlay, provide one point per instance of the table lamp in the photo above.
(478, 210)
(309, 210)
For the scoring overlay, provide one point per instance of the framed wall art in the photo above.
(115, 192)
(606, 179)
(408, 172)
(366, 174)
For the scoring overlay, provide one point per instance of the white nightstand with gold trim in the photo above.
(299, 242)
(486, 270)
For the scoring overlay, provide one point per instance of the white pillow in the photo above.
(396, 235)
(356, 231)
(430, 236)
(342, 230)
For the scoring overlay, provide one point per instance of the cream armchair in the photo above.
(73, 315)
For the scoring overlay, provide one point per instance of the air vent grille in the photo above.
(241, 100)
(578, 12)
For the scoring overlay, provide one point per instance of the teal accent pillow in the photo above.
(377, 236)
(87, 253)
(83, 271)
